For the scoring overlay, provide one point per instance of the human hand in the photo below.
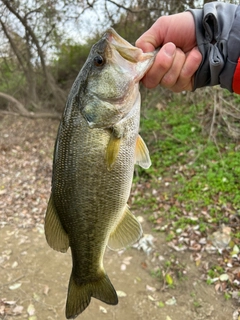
(178, 59)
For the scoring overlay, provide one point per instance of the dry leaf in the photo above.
(46, 290)
(15, 286)
(151, 298)
(10, 302)
(31, 309)
(171, 301)
(121, 294)
(18, 310)
(102, 309)
(149, 288)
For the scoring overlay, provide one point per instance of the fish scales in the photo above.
(95, 151)
(104, 199)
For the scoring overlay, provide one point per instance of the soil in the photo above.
(34, 278)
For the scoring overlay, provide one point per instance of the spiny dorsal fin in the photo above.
(56, 236)
(142, 157)
(126, 232)
(112, 151)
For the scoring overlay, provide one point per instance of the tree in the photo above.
(30, 30)
(35, 32)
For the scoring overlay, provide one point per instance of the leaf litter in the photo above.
(215, 239)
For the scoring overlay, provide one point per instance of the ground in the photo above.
(34, 278)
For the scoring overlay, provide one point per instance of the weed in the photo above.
(158, 274)
(227, 296)
(196, 304)
(193, 183)
(161, 304)
(201, 174)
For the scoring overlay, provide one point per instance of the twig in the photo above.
(214, 115)
(33, 115)
(18, 104)
(17, 279)
(131, 10)
(232, 106)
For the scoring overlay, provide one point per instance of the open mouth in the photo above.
(124, 48)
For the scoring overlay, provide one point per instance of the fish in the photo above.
(96, 148)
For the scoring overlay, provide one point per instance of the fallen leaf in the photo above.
(127, 260)
(7, 252)
(224, 277)
(151, 298)
(31, 309)
(149, 288)
(169, 279)
(15, 286)
(123, 267)
(121, 294)
(36, 297)
(102, 309)
(160, 304)
(18, 310)
(171, 301)
(46, 290)
(15, 264)
(10, 302)
(2, 310)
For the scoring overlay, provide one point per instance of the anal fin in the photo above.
(142, 157)
(56, 236)
(126, 232)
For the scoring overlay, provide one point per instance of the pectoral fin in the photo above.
(126, 232)
(112, 150)
(142, 157)
(56, 236)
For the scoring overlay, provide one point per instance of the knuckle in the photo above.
(168, 81)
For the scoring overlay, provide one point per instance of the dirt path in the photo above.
(34, 278)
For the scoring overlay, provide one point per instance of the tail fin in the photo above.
(79, 296)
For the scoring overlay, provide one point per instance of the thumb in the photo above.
(146, 42)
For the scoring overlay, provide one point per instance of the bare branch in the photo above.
(19, 105)
(23, 111)
(13, 46)
(130, 9)
(32, 115)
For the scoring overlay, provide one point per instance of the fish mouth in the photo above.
(125, 49)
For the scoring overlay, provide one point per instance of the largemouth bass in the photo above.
(95, 151)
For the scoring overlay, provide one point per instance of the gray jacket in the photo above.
(218, 39)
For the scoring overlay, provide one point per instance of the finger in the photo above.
(171, 77)
(161, 65)
(178, 28)
(151, 39)
(186, 77)
(191, 65)
(145, 42)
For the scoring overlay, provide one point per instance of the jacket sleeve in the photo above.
(218, 39)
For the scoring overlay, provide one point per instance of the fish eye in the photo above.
(99, 61)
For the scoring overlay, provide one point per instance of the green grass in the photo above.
(190, 172)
